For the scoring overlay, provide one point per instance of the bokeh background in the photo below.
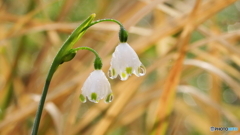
(190, 48)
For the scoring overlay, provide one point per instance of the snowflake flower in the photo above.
(125, 62)
(96, 87)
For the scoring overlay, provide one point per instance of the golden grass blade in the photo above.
(170, 28)
(223, 42)
(215, 38)
(56, 115)
(217, 62)
(197, 120)
(141, 13)
(215, 92)
(215, 95)
(153, 27)
(168, 95)
(232, 83)
(118, 105)
(192, 117)
(208, 101)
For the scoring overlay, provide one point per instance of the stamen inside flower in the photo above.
(109, 98)
(82, 98)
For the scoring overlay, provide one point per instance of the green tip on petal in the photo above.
(82, 98)
(94, 96)
(129, 70)
(124, 75)
(113, 72)
(109, 98)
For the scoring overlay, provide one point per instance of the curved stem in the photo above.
(123, 34)
(68, 44)
(104, 20)
(97, 62)
(86, 48)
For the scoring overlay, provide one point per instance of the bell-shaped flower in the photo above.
(96, 87)
(125, 62)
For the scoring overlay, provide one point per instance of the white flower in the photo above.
(96, 87)
(125, 62)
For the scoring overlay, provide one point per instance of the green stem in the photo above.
(86, 48)
(123, 34)
(105, 20)
(68, 44)
(65, 50)
(42, 100)
(97, 62)
(41, 105)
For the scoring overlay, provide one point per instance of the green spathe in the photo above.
(67, 53)
(68, 57)
(66, 47)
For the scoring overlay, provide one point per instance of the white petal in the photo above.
(96, 83)
(125, 61)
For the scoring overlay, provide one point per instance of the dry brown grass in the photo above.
(192, 61)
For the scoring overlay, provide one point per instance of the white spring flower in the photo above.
(124, 62)
(96, 87)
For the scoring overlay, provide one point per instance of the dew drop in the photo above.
(142, 70)
(110, 74)
(109, 98)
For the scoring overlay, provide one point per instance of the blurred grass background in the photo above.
(190, 49)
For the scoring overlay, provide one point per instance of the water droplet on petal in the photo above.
(111, 73)
(141, 70)
(109, 98)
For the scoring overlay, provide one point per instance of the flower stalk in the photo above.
(96, 86)
(59, 59)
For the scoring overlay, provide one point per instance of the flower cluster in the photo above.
(96, 87)
(124, 63)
